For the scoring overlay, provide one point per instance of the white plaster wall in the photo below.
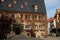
(55, 23)
(48, 27)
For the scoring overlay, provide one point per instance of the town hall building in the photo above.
(29, 13)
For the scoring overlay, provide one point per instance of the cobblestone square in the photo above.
(18, 37)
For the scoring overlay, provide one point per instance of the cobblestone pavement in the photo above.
(18, 37)
(51, 38)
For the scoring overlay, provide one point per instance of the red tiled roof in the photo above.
(50, 19)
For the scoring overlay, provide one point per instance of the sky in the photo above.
(51, 6)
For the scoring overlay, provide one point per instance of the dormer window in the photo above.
(14, 1)
(26, 3)
(21, 6)
(2, 0)
(35, 7)
(9, 5)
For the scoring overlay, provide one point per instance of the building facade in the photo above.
(30, 13)
(57, 18)
(51, 25)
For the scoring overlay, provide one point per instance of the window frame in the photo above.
(27, 27)
(41, 27)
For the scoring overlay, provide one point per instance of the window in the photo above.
(43, 17)
(39, 17)
(35, 27)
(34, 17)
(41, 27)
(36, 7)
(9, 5)
(17, 16)
(14, 1)
(21, 6)
(26, 3)
(21, 16)
(2, 0)
(27, 27)
(27, 16)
